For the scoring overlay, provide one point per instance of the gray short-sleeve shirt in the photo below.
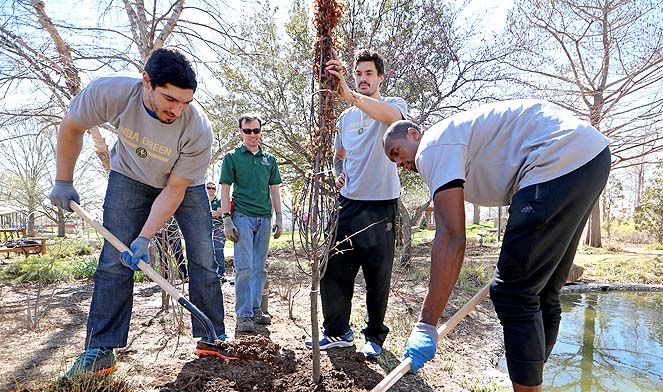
(147, 150)
(369, 174)
(500, 148)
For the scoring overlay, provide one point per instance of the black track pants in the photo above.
(370, 227)
(544, 227)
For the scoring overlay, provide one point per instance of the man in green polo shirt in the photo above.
(255, 178)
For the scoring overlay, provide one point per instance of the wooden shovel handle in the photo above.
(442, 331)
(119, 245)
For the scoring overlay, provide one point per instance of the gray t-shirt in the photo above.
(147, 150)
(501, 148)
(369, 174)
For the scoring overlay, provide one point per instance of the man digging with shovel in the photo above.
(158, 167)
(550, 168)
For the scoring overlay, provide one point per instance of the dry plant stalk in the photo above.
(165, 258)
(318, 201)
(36, 310)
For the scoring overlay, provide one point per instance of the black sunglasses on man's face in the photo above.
(249, 130)
(211, 187)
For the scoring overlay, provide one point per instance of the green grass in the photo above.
(655, 246)
(475, 274)
(447, 366)
(473, 229)
(67, 259)
(474, 386)
(80, 383)
(633, 268)
(422, 236)
(68, 247)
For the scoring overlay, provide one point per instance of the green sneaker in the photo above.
(93, 361)
(223, 337)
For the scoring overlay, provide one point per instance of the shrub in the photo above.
(49, 269)
(68, 247)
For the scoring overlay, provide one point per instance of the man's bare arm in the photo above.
(275, 194)
(448, 252)
(165, 205)
(70, 143)
(225, 198)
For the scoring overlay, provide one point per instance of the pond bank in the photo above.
(585, 287)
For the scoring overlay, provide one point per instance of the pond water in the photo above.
(608, 342)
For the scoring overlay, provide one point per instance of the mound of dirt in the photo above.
(252, 347)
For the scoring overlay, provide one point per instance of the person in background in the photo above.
(550, 168)
(218, 237)
(158, 167)
(255, 178)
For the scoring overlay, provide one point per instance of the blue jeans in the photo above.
(250, 258)
(219, 241)
(126, 208)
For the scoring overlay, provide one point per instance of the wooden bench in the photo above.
(17, 241)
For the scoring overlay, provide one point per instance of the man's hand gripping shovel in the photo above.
(204, 347)
(400, 370)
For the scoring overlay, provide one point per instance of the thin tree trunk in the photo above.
(406, 228)
(61, 228)
(476, 216)
(31, 225)
(595, 226)
(639, 186)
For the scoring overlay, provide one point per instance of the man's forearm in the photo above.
(338, 165)
(375, 108)
(70, 144)
(163, 208)
(446, 262)
(275, 194)
(225, 198)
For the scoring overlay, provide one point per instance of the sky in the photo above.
(494, 11)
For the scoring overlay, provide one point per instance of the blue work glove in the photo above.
(139, 249)
(62, 192)
(421, 345)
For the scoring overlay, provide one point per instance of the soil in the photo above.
(42, 339)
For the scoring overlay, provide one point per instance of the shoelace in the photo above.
(90, 356)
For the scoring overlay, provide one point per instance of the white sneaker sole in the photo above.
(336, 344)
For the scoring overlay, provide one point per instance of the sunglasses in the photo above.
(210, 187)
(249, 130)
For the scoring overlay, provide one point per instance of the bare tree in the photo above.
(25, 163)
(26, 159)
(44, 62)
(436, 59)
(49, 58)
(602, 59)
(272, 75)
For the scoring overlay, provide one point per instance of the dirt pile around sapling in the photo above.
(252, 347)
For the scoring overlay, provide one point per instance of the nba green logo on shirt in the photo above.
(141, 152)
